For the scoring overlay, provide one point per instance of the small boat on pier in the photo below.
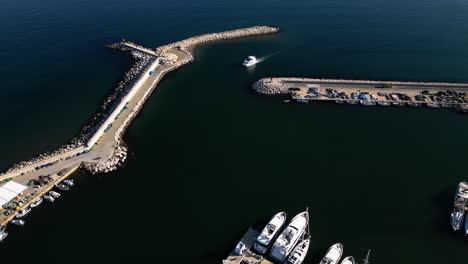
(69, 182)
(54, 194)
(270, 232)
(333, 255)
(3, 235)
(23, 212)
(289, 237)
(49, 198)
(36, 203)
(62, 187)
(18, 222)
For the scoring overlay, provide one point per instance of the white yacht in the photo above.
(348, 260)
(36, 203)
(289, 237)
(23, 212)
(333, 254)
(269, 233)
(69, 182)
(2, 228)
(299, 253)
(49, 198)
(3, 235)
(251, 60)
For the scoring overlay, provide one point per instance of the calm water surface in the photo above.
(210, 158)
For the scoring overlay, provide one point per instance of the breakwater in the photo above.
(137, 84)
(368, 93)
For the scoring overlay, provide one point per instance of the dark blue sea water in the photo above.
(210, 158)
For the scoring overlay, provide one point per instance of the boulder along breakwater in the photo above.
(99, 148)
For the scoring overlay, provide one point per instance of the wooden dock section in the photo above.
(247, 256)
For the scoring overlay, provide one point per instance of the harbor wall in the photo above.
(275, 85)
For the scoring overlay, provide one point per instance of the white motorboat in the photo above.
(36, 203)
(457, 218)
(18, 222)
(49, 198)
(3, 235)
(348, 260)
(69, 182)
(22, 213)
(299, 253)
(269, 233)
(460, 203)
(251, 60)
(54, 194)
(62, 187)
(289, 237)
(2, 228)
(333, 254)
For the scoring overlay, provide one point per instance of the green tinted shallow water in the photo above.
(210, 158)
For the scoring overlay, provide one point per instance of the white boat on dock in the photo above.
(54, 194)
(299, 253)
(270, 232)
(289, 237)
(333, 255)
(49, 198)
(18, 222)
(457, 218)
(36, 203)
(3, 235)
(348, 260)
(69, 182)
(23, 212)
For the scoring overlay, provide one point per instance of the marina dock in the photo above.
(247, 256)
(368, 93)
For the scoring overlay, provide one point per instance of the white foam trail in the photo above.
(267, 57)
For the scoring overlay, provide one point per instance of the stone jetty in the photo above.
(99, 148)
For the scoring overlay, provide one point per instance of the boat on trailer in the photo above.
(270, 232)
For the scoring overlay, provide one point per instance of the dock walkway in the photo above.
(248, 256)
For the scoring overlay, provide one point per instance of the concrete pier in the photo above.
(103, 150)
(368, 93)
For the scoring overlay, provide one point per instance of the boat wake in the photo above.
(264, 58)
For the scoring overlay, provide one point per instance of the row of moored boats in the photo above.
(290, 244)
(460, 208)
(50, 197)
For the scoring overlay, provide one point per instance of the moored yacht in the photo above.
(289, 237)
(62, 187)
(269, 233)
(54, 194)
(348, 260)
(333, 254)
(251, 60)
(460, 204)
(299, 253)
(36, 203)
(23, 212)
(2, 229)
(69, 182)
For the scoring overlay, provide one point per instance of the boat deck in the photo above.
(248, 256)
